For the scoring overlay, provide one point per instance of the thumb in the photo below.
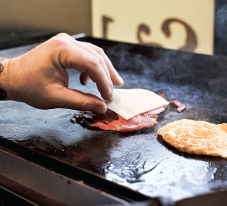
(77, 100)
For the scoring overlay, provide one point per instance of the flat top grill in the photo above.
(140, 161)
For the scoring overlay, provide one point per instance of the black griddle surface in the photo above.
(140, 160)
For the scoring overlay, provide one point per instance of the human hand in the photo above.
(39, 78)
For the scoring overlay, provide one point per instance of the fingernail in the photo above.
(110, 96)
(110, 91)
(121, 80)
(86, 81)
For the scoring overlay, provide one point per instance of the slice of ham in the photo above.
(113, 121)
(135, 123)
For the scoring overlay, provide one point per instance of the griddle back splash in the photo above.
(140, 161)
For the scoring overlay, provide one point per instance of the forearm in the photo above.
(3, 78)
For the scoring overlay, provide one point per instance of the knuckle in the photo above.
(101, 58)
(61, 39)
(89, 44)
(100, 51)
(58, 42)
(95, 62)
(62, 35)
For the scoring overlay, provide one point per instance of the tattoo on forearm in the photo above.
(1, 68)
(2, 94)
(2, 91)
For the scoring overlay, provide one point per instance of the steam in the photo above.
(220, 47)
(171, 66)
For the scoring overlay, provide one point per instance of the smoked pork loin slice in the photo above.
(112, 121)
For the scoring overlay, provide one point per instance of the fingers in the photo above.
(83, 61)
(117, 80)
(84, 78)
(104, 60)
(92, 62)
(93, 52)
(77, 100)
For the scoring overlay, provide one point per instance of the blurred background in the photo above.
(33, 21)
(198, 26)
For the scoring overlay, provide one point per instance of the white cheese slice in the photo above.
(131, 102)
